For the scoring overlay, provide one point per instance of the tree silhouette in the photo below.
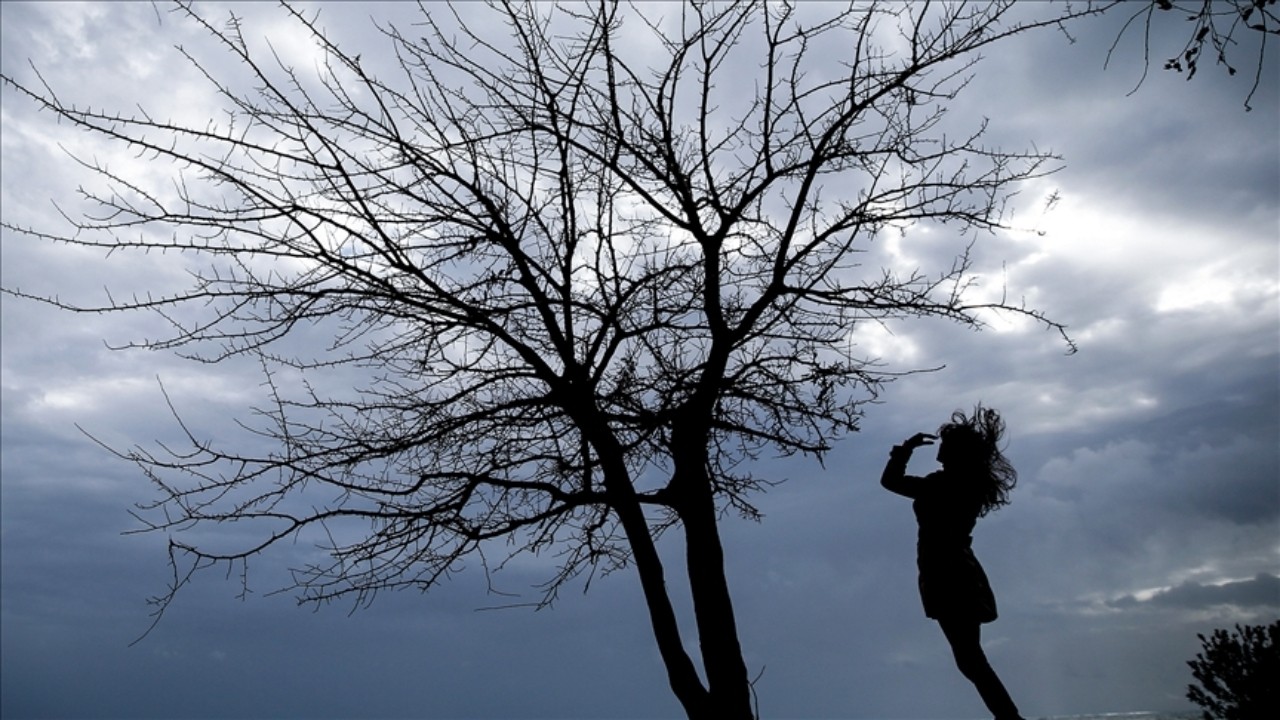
(585, 275)
(1216, 30)
(1236, 673)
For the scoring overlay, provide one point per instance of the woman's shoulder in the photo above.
(942, 482)
(934, 482)
(937, 477)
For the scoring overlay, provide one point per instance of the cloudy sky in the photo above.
(1148, 508)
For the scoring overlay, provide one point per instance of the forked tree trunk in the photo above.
(728, 696)
(726, 670)
(713, 608)
(682, 675)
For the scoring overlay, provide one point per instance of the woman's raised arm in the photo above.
(895, 477)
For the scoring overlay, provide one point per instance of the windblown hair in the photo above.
(975, 441)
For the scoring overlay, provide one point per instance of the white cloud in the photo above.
(878, 340)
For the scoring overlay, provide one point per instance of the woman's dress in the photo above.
(953, 585)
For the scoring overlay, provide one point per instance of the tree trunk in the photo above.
(713, 609)
(722, 659)
(681, 672)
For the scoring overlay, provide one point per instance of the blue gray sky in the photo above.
(1148, 507)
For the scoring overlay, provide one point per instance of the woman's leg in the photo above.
(966, 644)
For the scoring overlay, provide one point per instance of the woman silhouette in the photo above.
(975, 479)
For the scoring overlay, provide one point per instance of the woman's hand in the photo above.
(919, 439)
(895, 478)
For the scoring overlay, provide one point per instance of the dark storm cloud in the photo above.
(1216, 460)
(1147, 460)
(1263, 590)
(1137, 133)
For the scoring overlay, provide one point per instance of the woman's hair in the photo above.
(974, 443)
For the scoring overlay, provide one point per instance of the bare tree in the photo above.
(585, 284)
